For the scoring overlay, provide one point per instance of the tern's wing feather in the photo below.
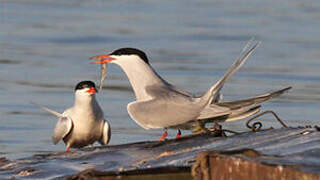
(165, 108)
(48, 110)
(106, 134)
(235, 67)
(214, 90)
(174, 88)
(218, 95)
(240, 107)
(155, 114)
(235, 115)
(214, 111)
(252, 101)
(62, 129)
(169, 93)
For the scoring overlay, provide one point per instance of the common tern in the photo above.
(83, 123)
(160, 104)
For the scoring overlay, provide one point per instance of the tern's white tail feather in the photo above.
(48, 110)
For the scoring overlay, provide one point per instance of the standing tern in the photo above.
(159, 104)
(83, 123)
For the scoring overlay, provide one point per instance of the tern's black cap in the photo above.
(131, 51)
(85, 84)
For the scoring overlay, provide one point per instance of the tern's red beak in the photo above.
(92, 90)
(101, 59)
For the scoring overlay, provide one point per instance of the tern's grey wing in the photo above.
(169, 92)
(214, 111)
(234, 115)
(166, 108)
(106, 134)
(174, 88)
(62, 129)
(213, 92)
(252, 101)
(236, 66)
(240, 107)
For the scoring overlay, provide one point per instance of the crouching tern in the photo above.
(160, 104)
(83, 123)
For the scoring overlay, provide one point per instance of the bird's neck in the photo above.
(141, 75)
(87, 104)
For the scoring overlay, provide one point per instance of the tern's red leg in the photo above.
(178, 134)
(163, 137)
(68, 149)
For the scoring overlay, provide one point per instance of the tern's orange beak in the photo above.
(92, 90)
(101, 59)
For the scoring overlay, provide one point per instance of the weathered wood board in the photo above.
(286, 146)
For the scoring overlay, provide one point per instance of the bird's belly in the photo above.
(83, 136)
(169, 123)
(163, 117)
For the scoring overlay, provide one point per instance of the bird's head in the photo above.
(85, 88)
(123, 54)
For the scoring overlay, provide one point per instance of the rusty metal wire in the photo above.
(256, 126)
(217, 131)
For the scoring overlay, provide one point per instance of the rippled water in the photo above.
(45, 45)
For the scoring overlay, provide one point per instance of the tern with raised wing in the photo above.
(160, 104)
(83, 123)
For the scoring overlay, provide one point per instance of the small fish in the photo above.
(103, 75)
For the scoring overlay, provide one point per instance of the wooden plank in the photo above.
(245, 165)
(294, 146)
